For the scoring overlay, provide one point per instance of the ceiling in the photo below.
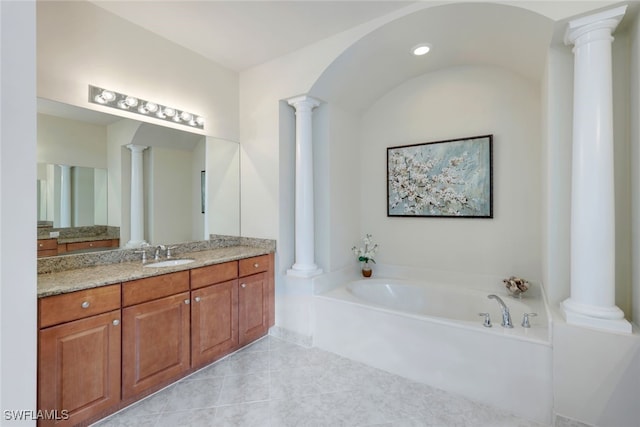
(241, 34)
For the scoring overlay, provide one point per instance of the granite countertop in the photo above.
(92, 277)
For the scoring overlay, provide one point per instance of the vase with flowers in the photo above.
(365, 254)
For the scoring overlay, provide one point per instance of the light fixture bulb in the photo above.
(131, 101)
(123, 104)
(421, 49)
(186, 116)
(200, 121)
(169, 112)
(142, 109)
(108, 95)
(151, 107)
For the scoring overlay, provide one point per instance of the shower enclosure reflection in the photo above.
(71, 196)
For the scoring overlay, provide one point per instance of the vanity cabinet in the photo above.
(79, 349)
(256, 298)
(103, 348)
(47, 247)
(88, 245)
(214, 312)
(155, 336)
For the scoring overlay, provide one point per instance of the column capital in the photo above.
(606, 20)
(136, 148)
(304, 102)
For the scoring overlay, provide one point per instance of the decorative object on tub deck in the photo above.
(365, 254)
(516, 285)
(451, 178)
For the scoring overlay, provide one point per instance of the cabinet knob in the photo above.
(244, 285)
(116, 322)
(85, 304)
(197, 299)
(256, 265)
(187, 301)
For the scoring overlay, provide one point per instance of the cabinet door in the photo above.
(79, 368)
(155, 343)
(253, 304)
(214, 322)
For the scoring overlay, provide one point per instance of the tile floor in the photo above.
(273, 383)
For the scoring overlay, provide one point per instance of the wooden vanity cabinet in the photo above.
(47, 247)
(255, 298)
(155, 336)
(79, 349)
(214, 312)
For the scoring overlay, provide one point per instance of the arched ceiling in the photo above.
(460, 34)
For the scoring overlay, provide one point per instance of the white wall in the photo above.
(17, 210)
(456, 103)
(118, 55)
(556, 182)
(169, 217)
(70, 142)
(635, 164)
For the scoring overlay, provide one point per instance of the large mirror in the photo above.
(191, 183)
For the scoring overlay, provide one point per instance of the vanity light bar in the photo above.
(132, 104)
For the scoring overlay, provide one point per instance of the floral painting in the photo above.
(450, 178)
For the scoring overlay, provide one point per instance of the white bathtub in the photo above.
(431, 333)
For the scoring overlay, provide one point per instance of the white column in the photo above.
(305, 265)
(137, 196)
(592, 300)
(65, 196)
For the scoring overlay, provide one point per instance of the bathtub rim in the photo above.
(339, 293)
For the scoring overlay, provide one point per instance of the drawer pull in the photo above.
(197, 299)
(116, 322)
(256, 265)
(40, 245)
(187, 301)
(85, 304)
(244, 285)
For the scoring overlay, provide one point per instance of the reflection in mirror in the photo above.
(72, 196)
(173, 162)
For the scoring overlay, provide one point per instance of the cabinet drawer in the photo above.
(257, 264)
(77, 305)
(211, 274)
(78, 246)
(47, 244)
(150, 288)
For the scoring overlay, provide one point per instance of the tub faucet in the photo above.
(506, 316)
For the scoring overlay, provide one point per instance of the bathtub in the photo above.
(430, 332)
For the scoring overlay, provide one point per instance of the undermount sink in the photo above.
(170, 262)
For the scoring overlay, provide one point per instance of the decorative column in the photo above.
(65, 196)
(304, 217)
(592, 300)
(137, 197)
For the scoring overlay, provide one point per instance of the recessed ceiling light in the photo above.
(421, 49)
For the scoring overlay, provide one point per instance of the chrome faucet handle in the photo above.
(525, 319)
(487, 320)
(169, 254)
(144, 255)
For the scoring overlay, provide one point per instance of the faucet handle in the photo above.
(525, 319)
(144, 255)
(487, 319)
(169, 249)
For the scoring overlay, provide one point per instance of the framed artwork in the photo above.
(452, 178)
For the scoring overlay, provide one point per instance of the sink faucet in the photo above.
(506, 316)
(156, 256)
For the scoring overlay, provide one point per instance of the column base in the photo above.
(304, 270)
(603, 318)
(134, 244)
